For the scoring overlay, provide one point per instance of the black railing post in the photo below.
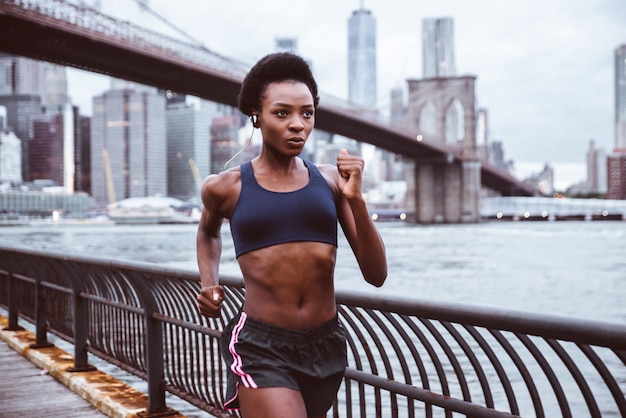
(12, 303)
(153, 347)
(41, 319)
(80, 322)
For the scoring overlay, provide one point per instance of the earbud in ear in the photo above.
(255, 120)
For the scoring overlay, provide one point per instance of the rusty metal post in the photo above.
(153, 348)
(12, 303)
(81, 322)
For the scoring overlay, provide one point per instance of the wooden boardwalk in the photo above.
(27, 392)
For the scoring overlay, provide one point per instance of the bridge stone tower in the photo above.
(446, 189)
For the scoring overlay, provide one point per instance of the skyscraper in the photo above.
(51, 152)
(620, 98)
(21, 76)
(362, 87)
(596, 169)
(25, 86)
(438, 47)
(616, 162)
(19, 109)
(10, 152)
(188, 149)
(287, 45)
(128, 148)
(24, 76)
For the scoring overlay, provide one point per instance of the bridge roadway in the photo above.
(37, 383)
(78, 36)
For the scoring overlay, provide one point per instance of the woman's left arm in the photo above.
(360, 231)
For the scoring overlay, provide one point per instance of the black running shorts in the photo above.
(260, 355)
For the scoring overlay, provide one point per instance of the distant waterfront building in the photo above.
(438, 47)
(362, 84)
(496, 155)
(596, 169)
(21, 76)
(25, 86)
(55, 86)
(25, 76)
(225, 143)
(287, 45)
(19, 109)
(616, 162)
(128, 145)
(620, 97)
(83, 153)
(51, 152)
(542, 182)
(616, 167)
(10, 153)
(188, 149)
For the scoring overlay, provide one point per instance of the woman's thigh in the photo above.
(271, 402)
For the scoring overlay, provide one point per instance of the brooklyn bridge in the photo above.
(444, 179)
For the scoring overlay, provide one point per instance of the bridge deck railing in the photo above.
(406, 357)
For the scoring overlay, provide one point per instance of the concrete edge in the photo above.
(109, 395)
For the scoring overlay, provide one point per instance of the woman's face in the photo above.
(287, 116)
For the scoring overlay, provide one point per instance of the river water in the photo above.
(571, 268)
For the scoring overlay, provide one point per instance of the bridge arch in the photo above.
(455, 122)
(444, 189)
(447, 95)
(427, 120)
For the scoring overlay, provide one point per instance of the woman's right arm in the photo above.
(209, 250)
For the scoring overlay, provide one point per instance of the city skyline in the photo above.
(545, 73)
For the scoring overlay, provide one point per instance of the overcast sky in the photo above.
(545, 69)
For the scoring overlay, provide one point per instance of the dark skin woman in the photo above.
(289, 282)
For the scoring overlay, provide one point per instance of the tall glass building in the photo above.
(27, 85)
(51, 151)
(188, 149)
(128, 145)
(616, 162)
(362, 86)
(620, 98)
(438, 47)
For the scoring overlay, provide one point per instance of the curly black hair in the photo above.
(276, 67)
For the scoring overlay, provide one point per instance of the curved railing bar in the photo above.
(446, 402)
(454, 361)
(434, 358)
(385, 358)
(416, 357)
(360, 337)
(608, 379)
(577, 375)
(498, 367)
(521, 367)
(469, 353)
(549, 374)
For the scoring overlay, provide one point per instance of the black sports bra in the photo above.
(263, 218)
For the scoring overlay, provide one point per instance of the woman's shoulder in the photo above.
(328, 170)
(223, 183)
(330, 174)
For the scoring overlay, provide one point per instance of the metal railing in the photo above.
(406, 358)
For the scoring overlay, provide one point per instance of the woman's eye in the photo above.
(308, 114)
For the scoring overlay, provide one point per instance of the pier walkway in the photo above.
(27, 392)
(36, 382)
